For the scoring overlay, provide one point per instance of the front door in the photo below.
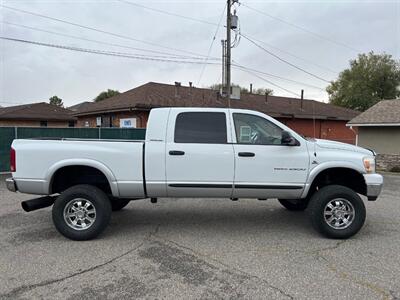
(199, 154)
(264, 167)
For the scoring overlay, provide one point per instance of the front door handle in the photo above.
(176, 152)
(247, 154)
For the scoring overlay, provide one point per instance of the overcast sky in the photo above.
(339, 31)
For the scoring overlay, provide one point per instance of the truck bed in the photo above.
(120, 160)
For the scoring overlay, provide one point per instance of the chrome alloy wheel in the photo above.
(339, 213)
(79, 214)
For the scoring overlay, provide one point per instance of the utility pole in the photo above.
(228, 52)
(223, 83)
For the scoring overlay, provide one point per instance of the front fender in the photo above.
(328, 165)
(81, 162)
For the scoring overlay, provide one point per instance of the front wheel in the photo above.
(337, 211)
(81, 212)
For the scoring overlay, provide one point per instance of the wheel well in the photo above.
(342, 176)
(66, 177)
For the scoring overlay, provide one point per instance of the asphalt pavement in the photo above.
(201, 249)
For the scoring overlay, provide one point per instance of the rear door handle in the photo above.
(247, 154)
(176, 152)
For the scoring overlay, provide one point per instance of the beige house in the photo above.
(379, 129)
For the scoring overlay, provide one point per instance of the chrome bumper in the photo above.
(374, 184)
(11, 186)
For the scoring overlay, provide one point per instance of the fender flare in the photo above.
(81, 162)
(329, 165)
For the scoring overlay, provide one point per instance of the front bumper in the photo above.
(11, 186)
(374, 184)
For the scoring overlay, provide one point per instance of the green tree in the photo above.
(56, 101)
(106, 94)
(370, 78)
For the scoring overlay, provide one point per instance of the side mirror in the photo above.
(288, 140)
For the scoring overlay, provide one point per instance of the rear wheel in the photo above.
(118, 204)
(295, 204)
(81, 212)
(337, 211)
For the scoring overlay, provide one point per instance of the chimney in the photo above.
(251, 88)
(302, 99)
(177, 86)
(190, 87)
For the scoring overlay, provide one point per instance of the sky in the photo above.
(305, 45)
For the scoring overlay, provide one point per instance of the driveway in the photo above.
(201, 248)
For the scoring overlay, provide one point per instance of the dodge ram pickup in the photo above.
(196, 152)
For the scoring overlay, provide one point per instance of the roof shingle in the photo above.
(384, 112)
(36, 111)
(152, 95)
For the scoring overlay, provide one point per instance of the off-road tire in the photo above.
(320, 200)
(100, 202)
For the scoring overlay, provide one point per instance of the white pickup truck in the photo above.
(196, 152)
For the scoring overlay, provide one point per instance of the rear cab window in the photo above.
(201, 128)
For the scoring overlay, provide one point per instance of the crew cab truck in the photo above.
(196, 152)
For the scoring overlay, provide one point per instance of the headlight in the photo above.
(369, 164)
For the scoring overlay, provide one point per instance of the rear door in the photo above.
(199, 154)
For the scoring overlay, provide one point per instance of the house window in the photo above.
(106, 121)
(43, 123)
(98, 121)
(71, 123)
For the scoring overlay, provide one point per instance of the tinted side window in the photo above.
(251, 129)
(201, 127)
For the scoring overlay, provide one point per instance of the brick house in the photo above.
(36, 115)
(308, 117)
(379, 129)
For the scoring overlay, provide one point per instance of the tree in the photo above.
(264, 91)
(260, 91)
(370, 78)
(106, 94)
(56, 101)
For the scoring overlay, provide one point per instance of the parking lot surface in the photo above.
(201, 248)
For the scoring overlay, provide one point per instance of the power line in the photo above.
(272, 83)
(102, 52)
(295, 56)
(301, 28)
(211, 45)
(169, 13)
(186, 18)
(99, 30)
(128, 55)
(167, 55)
(278, 77)
(219, 25)
(283, 60)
